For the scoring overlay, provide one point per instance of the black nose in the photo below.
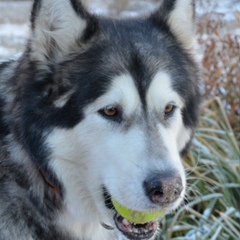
(163, 190)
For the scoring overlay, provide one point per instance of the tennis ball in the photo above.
(135, 216)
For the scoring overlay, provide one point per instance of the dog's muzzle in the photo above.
(163, 189)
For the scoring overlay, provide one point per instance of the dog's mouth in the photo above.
(135, 231)
(130, 230)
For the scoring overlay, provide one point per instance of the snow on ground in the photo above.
(13, 38)
(14, 24)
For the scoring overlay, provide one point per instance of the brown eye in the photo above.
(169, 109)
(110, 111)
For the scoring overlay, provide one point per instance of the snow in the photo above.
(13, 30)
(12, 39)
(224, 6)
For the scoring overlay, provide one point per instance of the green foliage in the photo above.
(212, 206)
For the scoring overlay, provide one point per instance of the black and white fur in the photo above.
(61, 157)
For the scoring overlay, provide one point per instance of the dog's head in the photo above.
(111, 106)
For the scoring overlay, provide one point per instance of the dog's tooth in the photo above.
(153, 226)
(135, 230)
(145, 230)
(125, 222)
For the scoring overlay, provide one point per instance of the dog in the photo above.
(96, 109)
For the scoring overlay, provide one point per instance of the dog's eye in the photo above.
(110, 111)
(169, 109)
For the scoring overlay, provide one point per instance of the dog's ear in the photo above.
(179, 16)
(58, 27)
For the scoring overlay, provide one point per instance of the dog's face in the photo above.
(117, 103)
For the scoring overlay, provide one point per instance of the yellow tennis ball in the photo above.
(135, 216)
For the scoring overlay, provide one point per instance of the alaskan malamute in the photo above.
(96, 109)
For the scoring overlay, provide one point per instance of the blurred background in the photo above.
(212, 206)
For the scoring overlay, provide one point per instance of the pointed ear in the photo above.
(179, 15)
(57, 28)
